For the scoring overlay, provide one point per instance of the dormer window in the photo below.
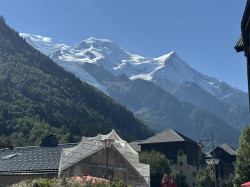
(180, 152)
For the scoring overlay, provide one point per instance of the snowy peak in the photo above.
(96, 43)
(166, 56)
(39, 42)
(168, 71)
(36, 38)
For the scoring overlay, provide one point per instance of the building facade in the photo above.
(91, 157)
(243, 43)
(185, 154)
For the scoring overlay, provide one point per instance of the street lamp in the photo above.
(107, 144)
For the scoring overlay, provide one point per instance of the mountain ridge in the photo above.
(150, 102)
(159, 70)
(38, 97)
(169, 72)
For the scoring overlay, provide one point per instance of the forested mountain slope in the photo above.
(152, 103)
(169, 72)
(37, 97)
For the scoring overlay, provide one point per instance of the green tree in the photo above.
(228, 183)
(204, 178)
(243, 158)
(159, 165)
(176, 176)
(38, 97)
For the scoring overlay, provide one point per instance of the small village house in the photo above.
(225, 157)
(184, 153)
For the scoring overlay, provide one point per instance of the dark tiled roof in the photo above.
(208, 155)
(239, 45)
(228, 149)
(169, 135)
(217, 161)
(135, 145)
(33, 159)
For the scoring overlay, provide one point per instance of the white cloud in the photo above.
(37, 38)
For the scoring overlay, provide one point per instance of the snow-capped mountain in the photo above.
(63, 56)
(168, 71)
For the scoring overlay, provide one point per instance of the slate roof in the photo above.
(239, 45)
(32, 159)
(208, 155)
(228, 149)
(135, 145)
(168, 135)
(217, 161)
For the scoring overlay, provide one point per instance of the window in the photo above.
(181, 163)
(170, 155)
(194, 174)
(194, 163)
(180, 152)
(171, 162)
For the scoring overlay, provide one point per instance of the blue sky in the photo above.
(202, 33)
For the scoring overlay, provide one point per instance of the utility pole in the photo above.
(214, 167)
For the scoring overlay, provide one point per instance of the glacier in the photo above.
(168, 71)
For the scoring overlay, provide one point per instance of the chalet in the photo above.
(184, 153)
(225, 157)
(90, 157)
(226, 153)
(243, 43)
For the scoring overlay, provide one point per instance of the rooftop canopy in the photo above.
(91, 145)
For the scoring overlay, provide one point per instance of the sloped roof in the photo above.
(90, 145)
(168, 135)
(32, 159)
(216, 161)
(135, 145)
(208, 155)
(239, 45)
(228, 149)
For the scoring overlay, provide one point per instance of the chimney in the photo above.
(49, 141)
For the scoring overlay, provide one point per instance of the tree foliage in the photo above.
(204, 178)
(177, 177)
(39, 97)
(228, 183)
(57, 182)
(243, 158)
(159, 165)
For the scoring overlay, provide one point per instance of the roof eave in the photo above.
(28, 173)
